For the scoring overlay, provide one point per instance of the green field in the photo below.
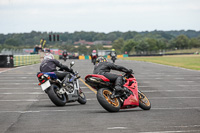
(185, 61)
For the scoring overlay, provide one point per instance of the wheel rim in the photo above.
(113, 101)
(144, 99)
(82, 95)
(56, 89)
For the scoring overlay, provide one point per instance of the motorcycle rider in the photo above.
(94, 54)
(113, 53)
(103, 67)
(64, 54)
(49, 64)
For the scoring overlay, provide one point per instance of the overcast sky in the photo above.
(19, 16)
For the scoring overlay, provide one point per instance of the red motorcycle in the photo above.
(112, 101)
(93, 58)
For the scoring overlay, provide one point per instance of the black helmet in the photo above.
(101, 59)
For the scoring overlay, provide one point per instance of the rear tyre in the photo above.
(81, 97)
(108, 103)
(94, 61)
(57, 99)
(113, 59)
(144, 102)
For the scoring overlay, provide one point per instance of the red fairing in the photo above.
(93, 57)
(132, 99)
(99, 76)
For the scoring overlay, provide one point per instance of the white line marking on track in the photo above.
(24, 100)
(184, 108)
(19, 83)
(20, 88)
(187, 85)
(17, 68)
(168, 98)
(169, 90)
(116, 128)
(33, 100)
(23, 93)
(88, 109)
(179, 78)
(29, 93)
(180, 131)
(186, 126)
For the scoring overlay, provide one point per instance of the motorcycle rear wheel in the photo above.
(108, 103)
(144, 102)
(94, 61)
(57, 99)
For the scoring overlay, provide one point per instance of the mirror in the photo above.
(72, 63)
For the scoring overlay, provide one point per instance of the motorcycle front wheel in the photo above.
(144, 102)
(105, 100)
(81, 97)
(56, 98)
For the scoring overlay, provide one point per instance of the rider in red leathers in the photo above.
(94, 56)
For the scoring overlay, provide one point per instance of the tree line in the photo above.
(130, 41)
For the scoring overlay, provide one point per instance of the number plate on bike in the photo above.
(45, 85)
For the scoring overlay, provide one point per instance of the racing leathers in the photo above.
(113, 54)
(104, 68)
(49, 65)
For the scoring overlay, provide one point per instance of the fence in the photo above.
(22, 60)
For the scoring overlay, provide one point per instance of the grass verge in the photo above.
(185, 61)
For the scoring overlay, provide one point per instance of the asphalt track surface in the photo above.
(174, 94)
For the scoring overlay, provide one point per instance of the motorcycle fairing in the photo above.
(132, 99)
(98, 76)
(51, 74)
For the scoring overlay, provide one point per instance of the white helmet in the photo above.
(48, 56)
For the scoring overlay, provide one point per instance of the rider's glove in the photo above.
(130, 71)
(71, 70)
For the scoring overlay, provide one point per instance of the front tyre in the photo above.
(144, 102)
(56, 98)
(81, 97)
(94, 61)
(105, 100)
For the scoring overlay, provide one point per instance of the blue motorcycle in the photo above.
(62, 92)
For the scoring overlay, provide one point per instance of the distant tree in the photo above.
(194, 42)
(13, 42)
(129, 45)
(181, 42)
(152, 45)
(118, 44)
(111, 37)
(129, 35)
(83, 50)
